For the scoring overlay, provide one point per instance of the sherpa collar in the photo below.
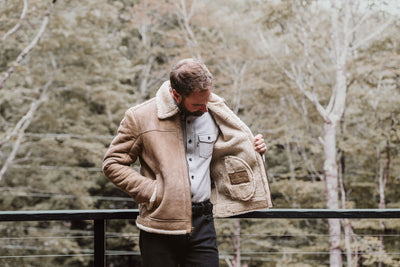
(166, 106)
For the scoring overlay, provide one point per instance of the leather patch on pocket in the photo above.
(239, 177)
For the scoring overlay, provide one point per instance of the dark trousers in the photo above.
(196, 249)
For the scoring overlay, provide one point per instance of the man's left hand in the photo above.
(259, 144)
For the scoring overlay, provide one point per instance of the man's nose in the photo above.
(204, 108)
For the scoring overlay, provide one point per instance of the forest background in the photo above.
(295, 71)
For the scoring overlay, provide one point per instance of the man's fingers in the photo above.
(259, 144)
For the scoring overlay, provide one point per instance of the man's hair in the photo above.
(190, 75)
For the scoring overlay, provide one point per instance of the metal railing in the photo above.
(99, 217)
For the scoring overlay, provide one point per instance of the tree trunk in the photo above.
(335, 112)
(236, 242)
(331, 181)
(383, 178)
(347, 227)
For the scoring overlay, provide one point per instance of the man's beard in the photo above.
(184, 110)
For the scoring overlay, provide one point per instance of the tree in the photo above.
(342, 41)
(25, 121)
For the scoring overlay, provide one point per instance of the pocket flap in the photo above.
(207, 138)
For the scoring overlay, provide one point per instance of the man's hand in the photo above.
(259, 144)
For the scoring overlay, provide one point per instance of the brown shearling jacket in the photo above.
(152, 133)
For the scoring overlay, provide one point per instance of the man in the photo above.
(197, 158)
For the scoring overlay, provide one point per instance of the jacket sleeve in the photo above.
(121, 154)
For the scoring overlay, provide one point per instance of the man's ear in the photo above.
(176, 96)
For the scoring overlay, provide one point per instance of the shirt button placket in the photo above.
(190, 149)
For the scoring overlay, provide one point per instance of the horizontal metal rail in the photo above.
(100, 216)
(110, 214)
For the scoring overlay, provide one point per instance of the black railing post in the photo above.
(99, 243)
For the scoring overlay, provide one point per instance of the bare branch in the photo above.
(331, 100)
(314, 99)
(309, 163)
(288, 151)
(372, 35)
(22, 125)
(267, 46)
(15, 28)
(29, 47)
(302, 110)
(228, 262)
(295, 75)
(238, 76)
(146, 74)
(361, 21)
(375, 99)
(25, 121)
(184, 23)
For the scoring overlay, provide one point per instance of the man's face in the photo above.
(195, 104)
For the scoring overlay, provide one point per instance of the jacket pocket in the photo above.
(239, 180)
(156, 198)
(206, 145)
